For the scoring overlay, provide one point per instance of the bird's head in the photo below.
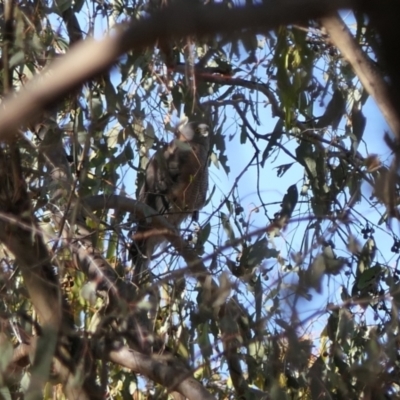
(195, 132)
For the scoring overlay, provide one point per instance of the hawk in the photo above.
(175, 185)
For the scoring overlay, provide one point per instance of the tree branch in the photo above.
(194, 262)
(19, 233)
(366, 71)
(177, 20)
(170, 375)
(163, 370)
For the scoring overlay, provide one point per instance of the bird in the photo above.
(175, 186)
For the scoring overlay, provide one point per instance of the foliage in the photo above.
(298, 215)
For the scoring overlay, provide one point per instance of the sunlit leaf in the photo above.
(227, 226)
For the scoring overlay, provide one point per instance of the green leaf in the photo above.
(88, 292)
(227, 226)
(315, 273)
(332, 325)
(78, 4)
(17, 59)
(306, 157)
(62, 5)
(96, 105)
(112, 136)
(243, 135)
(289, 201)
(367, 256)
(282, 169)
(203, 340)
(219, 142)
(345, 326)
(5, 393)
(41, 367)
(6, 351)
(369, 277)
(149, 135)
(354, 185)
(128, 152)
(250, 42)
(253, 255)
(205, 233)
(214, 159)
(358, 122)
(273, 140)
(334, 111)
(112, 246)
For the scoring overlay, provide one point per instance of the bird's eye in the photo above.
(202, 130)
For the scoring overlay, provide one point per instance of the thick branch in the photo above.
(31, 255)
(19, 232)
(177, 20)
(169, 375)
(383, 17)
(369, 76)
(230, 81)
